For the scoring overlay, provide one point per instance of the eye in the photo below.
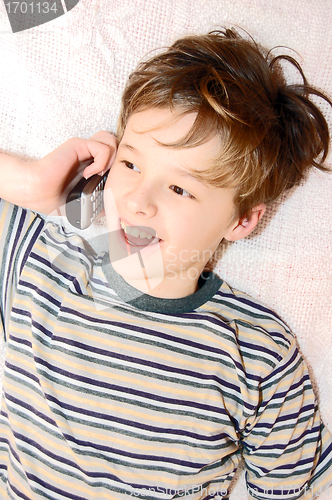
(181, 192)
(131, 166)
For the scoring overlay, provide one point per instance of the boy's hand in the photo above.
(43, 185)
(108, 139)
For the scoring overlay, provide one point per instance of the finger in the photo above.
(103, 156)
(105, 137)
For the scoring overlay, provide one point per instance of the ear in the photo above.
(244, 226)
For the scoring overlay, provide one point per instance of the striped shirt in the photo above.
(108, 394)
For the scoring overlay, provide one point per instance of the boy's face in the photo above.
(179, 220)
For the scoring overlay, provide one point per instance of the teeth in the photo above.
(134, 231)
(145, 235)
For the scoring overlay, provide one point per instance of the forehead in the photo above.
(171, 124)
(155, 129)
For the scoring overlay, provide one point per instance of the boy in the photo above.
(136, 373)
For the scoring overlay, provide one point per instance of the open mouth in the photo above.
(139, 235)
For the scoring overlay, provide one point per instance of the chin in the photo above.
(143, 269)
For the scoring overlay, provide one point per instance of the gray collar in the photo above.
(209, 284)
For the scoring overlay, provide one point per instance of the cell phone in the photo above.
(85, 201)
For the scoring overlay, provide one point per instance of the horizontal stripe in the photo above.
(102, 399)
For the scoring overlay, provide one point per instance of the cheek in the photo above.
(110, 202)
(111, 179)
(183, 232)
(208, 234)
(112, 192)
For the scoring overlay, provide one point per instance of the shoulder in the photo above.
(34, 246)
(262, 337)
(64, 253)
(19, 229)
(16, 221)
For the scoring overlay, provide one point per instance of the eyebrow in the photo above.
(183, 172)
(130, 148)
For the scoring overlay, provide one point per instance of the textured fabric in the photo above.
(65, 78)
(102, 397)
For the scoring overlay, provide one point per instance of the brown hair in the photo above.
(271, 132)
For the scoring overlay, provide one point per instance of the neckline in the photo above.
(208, 281)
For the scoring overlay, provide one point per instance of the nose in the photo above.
(141, 199)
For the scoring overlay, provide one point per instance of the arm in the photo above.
(42, 185)
(286, 447)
